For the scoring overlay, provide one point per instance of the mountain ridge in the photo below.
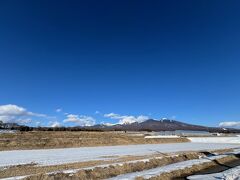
(161, 125)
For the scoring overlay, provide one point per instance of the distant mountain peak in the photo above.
(163, 124)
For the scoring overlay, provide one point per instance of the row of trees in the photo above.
(27, 128)
(14, 126)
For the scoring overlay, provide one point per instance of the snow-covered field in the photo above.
(147, 174)
(215, 139)
(72, 171)
(3, 131)
(14, 178)
(70, 155)
(161, 136)
(230, 174)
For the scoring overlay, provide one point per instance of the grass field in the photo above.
(65, 139)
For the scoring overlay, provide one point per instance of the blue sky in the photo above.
(134, 59)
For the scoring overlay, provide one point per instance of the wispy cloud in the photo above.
(126, 119)
(54, 124)
(108, 124)
(97, 112)
(59, 110)
(38, 123)
(80, 120)
(231, 124)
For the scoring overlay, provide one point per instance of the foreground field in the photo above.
(70, 163)
(66, 139)
(71, 155)
(116, 155)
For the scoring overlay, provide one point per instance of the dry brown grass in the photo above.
(21, 170)
(191, 170)
(114, 170)
(66, 139)
(31, 169)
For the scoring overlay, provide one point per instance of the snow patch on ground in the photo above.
(215, 139)
(72, 171)
(146, 174)
(4, 131)
(230, 174)
(14, 178)
(45, 157)
(161, 136)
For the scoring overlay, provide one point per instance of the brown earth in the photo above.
(114, 170)
(180, 174)
(67, 139)
(28, 169)
(39, 172)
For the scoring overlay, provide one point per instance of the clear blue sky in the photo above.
(175, 59)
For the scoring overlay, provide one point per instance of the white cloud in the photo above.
(38, 123)
(126, 119)
(80, 120)
(54, 124)
(109, 124)
(232, 124)
(112, 116)
(59, 110)
(14, 110)
(97, 112)
(24, 120)
(15, 114)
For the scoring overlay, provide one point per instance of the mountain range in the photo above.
(148, 125)
(160, 125)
